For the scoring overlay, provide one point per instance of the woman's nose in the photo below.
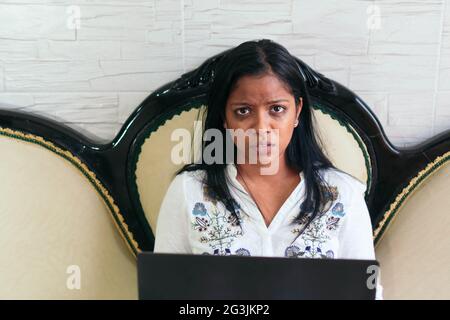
(262, 123)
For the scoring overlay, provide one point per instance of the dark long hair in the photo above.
(303, 151)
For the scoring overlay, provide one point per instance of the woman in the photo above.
(302, 207)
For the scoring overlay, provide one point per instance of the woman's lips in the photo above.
(263, 147)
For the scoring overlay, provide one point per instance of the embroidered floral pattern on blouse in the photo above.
(199, 209)
(242, 252)
(309, 243)
(336, 214)
(294, 251)
(330, 194)
(239, 252)
(218, 229)
(329, 254)
(338, 210)
(209, 195)
(332, 223)
(313, 238)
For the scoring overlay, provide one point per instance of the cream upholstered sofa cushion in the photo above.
(52, 218)
(414, 251)
(155, 170)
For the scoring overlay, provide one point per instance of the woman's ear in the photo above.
(299, 107)
(225, 125)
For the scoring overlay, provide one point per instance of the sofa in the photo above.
(75, 213)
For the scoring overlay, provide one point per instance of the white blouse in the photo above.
(190, 221)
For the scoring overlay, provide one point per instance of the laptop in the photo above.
(164, 276)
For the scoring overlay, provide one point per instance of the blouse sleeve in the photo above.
(356, 234)
(172, 225)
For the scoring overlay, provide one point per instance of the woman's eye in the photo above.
(278, 109)
(242, 111)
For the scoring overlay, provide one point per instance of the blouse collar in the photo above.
(232, 172)
(251, 207)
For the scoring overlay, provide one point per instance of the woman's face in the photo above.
(262, 103)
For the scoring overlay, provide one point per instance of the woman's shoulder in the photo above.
(190, 179)
(346, 183)
(184, 186)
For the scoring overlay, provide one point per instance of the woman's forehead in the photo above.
(267, 88)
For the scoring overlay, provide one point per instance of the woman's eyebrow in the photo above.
(268, 102)
(278, 100)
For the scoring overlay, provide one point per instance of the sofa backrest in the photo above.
(58, 236)
(414, 251)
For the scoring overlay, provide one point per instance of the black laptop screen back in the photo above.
(200, 277)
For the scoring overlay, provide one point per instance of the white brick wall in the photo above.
(92, 72)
